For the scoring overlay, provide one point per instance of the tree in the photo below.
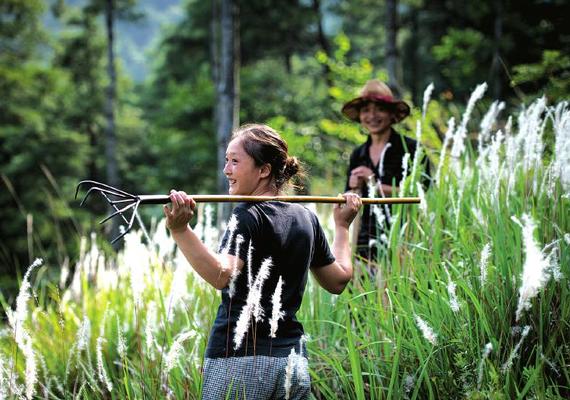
(112, 10)
(81, 53)
(40, 156)
(227, 87)
(391, 48)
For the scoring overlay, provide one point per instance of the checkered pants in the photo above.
(256, 378)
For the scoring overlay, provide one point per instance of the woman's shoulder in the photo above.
(246, 212)
(404, 142)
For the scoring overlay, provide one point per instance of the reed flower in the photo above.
(276, 312)
(102, 372)
(535, 269)
(249, 262)
(84, 334)
(381, 163)
(405, 165)
(461, 134)
(515, 352)
(409, 383)
(486, 351)
(304, 338)
(17, 318)
(21, 336)
(550, 364)
(175, 350)
(235, 269)
(419, 151)
(561, 125)
(426, 330)
(121, 342)
(554, 265)
(260, 279)
(451, 286)
(4, 378)
(252, 307)
(487, 122)
(149, 328)
(161, 241)
(485, 255)
(289, 371)
(178, 289)
(8, 382)
(427, 96)
(422, 196)
(448, 135)
(136, 255)
(231, 228)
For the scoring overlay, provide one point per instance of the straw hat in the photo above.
(376, 91)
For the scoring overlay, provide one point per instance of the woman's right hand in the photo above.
(359, 177)
(345, 213)
(181, 213)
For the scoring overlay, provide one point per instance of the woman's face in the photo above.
(244, 177)
(376, 118)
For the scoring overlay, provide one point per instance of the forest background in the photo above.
(143, 94)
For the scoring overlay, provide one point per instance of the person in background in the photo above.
(261, 268)
(377, 163)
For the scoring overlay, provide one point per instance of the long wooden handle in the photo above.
(219, 198)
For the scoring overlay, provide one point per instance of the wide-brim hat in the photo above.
(379, 92)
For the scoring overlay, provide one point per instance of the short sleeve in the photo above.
(322, 256)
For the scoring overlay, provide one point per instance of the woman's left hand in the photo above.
(359, 177)
(345, 213)
(181, 213)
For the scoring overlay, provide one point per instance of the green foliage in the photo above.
(20, 30)
(550, 76)
(33, 137)
(458, 53)
(365, 343)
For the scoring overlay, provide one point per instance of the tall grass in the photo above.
(473, 300)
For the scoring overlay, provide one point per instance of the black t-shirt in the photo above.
(390, 174)
(290, 236)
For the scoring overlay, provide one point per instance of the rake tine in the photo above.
(130, 223)
(86, 196)
(102, 190)
(121, 201)
(119, 192)
(114, 206)
(119, 237)
(121, 211)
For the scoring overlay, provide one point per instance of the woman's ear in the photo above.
(265, 171)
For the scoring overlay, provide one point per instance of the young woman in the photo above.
(262, 268)
(378, 162)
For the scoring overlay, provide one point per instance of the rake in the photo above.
(124, 203)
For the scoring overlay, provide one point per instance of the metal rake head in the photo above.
(121, 202)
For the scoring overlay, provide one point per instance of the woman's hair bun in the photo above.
(292, 167)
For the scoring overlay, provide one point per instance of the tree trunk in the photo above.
(110, 134)
(495, 72)
(413, 83)
(391, 49)
(323, 42)
(227, 90)
(215, 47)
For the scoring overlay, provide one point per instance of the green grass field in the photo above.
(471, 301)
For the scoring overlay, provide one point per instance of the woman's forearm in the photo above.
(385, 190)
(341, 250)
(209, 265)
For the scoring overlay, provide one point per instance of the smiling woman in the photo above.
(376, 164)
(261, 268)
